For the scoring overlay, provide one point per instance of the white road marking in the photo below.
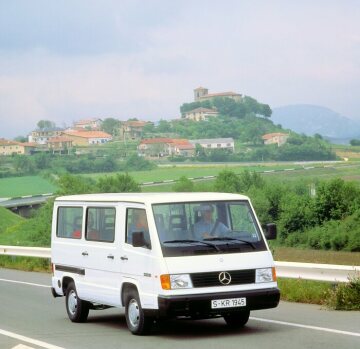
(28, 340)
(316, 328)
(292, 324)
(24, 283)
(22, 346)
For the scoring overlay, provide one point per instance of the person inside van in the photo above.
(91, 232)
(206, 227)
(138, 224)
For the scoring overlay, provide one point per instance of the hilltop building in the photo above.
(202, 94)
(201, 114)
(275, 138)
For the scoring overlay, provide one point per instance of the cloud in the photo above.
(64, 61)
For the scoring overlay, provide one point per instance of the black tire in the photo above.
(136, 320)
(77, 309)
(237, 320)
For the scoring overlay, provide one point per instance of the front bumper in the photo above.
(199, 305)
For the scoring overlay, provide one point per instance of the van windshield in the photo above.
(207, 227)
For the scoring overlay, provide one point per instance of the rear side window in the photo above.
(69, 222)
(100, 224)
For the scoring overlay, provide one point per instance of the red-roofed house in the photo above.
(132, 129)
(275, 138)
(87, 137)
(88, 124)
(60, 144)
(12, 147)
(165, 146)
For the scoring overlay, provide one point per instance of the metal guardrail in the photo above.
(293, 270)
(40, 252)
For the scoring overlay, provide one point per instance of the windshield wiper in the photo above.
(192, 241)
(227, 238)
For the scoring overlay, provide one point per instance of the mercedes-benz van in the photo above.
(159, 255)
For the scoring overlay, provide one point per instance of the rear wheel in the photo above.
(77, 309)
(136, 320)
(237, 320)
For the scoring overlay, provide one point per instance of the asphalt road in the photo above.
(31, 318)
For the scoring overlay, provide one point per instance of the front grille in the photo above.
(238, 277)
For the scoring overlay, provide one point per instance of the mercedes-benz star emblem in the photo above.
(225, 278)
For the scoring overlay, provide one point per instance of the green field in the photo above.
(199, 170)
(32, 185)
(8, 219)
(20, 186)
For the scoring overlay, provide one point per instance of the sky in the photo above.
(69, 60)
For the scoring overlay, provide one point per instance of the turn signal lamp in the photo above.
(165, 282)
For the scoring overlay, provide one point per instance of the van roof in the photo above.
(151, 198)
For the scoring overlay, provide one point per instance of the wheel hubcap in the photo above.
(72, 302)
(134, 313)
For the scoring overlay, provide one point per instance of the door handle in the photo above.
(110, 256)
(85, 253)
(124, 258)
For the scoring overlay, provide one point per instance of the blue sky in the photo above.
(66, 60)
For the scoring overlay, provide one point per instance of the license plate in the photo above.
(228, 303)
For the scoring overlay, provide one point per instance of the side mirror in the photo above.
(138, 239)
(271, 231)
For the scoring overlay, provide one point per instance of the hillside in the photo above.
(8, 219)
(312, 119)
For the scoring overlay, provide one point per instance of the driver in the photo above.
(206, 227)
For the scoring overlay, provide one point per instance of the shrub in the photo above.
(345, 296)
(183, 185)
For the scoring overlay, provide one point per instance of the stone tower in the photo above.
(199, 92)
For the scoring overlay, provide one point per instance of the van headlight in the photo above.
(265, 275)
(175, 281)
(180, 281)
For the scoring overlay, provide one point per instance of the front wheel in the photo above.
(237, 320)
(77, 309)
(136, 320)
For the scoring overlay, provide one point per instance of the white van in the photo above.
(197, 255)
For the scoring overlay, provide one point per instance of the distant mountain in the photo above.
(311, 119)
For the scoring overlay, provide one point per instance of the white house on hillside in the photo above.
(215, 143)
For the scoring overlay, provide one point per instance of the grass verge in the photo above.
(342, 296)
(25, 263)
(291, 254)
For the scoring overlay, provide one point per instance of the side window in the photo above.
(100, 224)
(136, 221)
(69, 222)
(242, 220)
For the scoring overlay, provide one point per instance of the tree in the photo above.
(69, 185)
(119, 183)
(336, 199)
(20, 139)
(23, 164)
(111, 126)
(164, 126)
(355, 142)
(138, 163)
(228, 182)
(42, 161)
(42, 124)
(183, 185)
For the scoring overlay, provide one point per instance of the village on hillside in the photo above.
(47, 137)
